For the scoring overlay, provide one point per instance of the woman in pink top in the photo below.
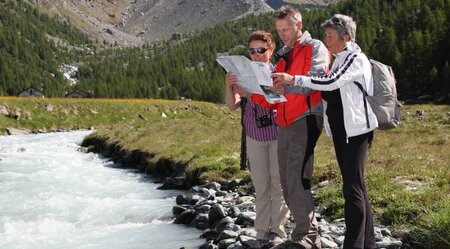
(261, 136)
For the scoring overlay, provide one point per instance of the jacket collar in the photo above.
(350, 48)
(305, 38)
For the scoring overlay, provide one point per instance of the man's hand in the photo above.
(279, 89)
(283, 78)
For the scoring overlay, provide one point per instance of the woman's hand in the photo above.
(242, 92)
(230, 80)
(283, 78)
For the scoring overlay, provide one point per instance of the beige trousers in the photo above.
(271, 210)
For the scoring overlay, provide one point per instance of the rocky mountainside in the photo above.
(134, 22)
(156, 19)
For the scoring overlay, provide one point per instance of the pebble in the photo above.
(227, 217)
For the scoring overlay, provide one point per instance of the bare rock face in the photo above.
(159, 19)
(134, 22)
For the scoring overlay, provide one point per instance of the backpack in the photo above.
(384, 101)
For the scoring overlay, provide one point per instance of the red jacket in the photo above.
(307, 55)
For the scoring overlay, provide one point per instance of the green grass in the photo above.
(408, 176)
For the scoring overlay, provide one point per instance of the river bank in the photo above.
(408, 177)
(225, 211)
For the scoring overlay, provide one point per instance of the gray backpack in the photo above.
(384, 101)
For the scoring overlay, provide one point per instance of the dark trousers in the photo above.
(351, 157)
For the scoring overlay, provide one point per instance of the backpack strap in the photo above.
(365, 101)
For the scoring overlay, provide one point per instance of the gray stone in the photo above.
(188, 198)
(4, 110)
(14, 131)
(201, 221)
(337, 230)
(216, 213)
(213, 185)
(227, 234)
(249, 242)
(233, 211)
(49, 108)
(242, 199)
(224, 223)
(327, 243)
(236, 245)
(233, 227)
(208, 192)
(209, 245)
(339, 240)
(203, 208)
(246, 218)
(186, 217)
(209, 234)
(178, 209)
(388, 243)
(386, 232)
(223, 244)
(288, 245)
(249, 232)
(221, 193)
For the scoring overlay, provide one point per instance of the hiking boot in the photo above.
(275, 239)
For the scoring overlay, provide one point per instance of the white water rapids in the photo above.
(54, 196)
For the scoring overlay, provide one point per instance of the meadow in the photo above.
(408, 170)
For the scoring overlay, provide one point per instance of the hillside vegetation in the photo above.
(408, 172)
(32, 46)
(412, 36)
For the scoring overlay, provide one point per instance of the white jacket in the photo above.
(349, 65)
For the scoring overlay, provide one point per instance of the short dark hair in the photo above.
(262, 35)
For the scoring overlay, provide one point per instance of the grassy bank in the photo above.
(408, 174)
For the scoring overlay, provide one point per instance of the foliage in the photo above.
(28, 55)
(412, 36)
(433, 231)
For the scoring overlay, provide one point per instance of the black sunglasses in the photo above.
(259, 50)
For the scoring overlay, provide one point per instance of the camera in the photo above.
(283, 52)
(264, 121)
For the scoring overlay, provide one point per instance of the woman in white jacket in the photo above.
(347, 120)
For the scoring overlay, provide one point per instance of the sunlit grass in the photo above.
(408, 176)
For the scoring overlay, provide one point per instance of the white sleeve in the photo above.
(346, 73)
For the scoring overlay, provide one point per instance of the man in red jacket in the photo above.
(300, 120)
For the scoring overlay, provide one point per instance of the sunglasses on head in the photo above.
(259, 50)
(283, 14)
(336, 21)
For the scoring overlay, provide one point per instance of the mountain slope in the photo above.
(134, 22)
(156, 20)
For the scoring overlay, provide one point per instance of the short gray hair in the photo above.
(342, 24)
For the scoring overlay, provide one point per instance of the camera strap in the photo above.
(256, 112)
